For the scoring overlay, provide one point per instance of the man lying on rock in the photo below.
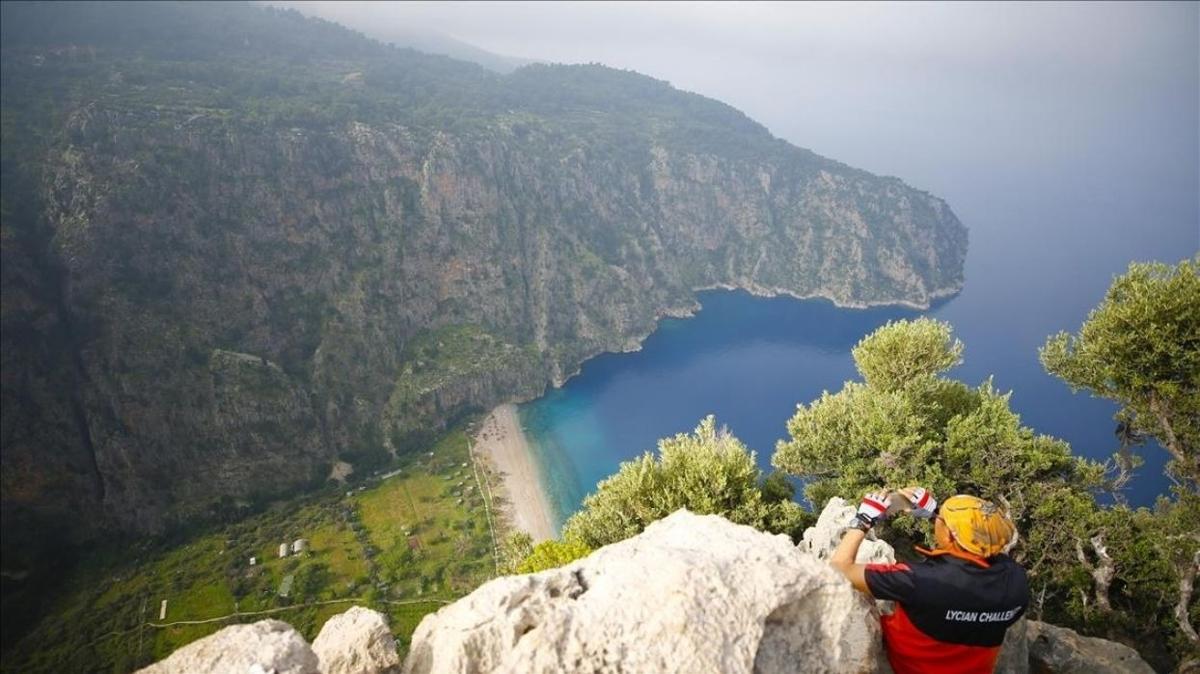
(953, 606)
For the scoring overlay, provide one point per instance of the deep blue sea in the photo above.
(1033, 269)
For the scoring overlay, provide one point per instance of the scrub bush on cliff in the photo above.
(708, 471)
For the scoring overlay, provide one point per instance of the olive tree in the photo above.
(907, 425)
(708, 471)
(901, 352)
(1141, 348)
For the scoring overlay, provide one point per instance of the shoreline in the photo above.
(634, 343)
(502, 440)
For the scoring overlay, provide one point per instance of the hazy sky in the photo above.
(915, 90)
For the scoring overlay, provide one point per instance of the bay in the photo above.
(750, 360)
(1063, 171)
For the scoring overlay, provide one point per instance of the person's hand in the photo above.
(872, 509)
(923, 502)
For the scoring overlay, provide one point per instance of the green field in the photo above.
(404, 544)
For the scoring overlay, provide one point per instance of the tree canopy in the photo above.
(708, 471)
(1111, 571)
(897, 353)
(1141, 348)
(906, 425)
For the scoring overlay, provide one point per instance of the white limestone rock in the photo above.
(822, 538)
(689, 594)
(267, 646)
(357, 642)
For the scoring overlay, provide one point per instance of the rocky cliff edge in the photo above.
(691, 593)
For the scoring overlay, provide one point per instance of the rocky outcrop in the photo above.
(1064, 651)
(689, 594)
(356, 642)
(264, 646)
(821, 539)
(1014, 654)
(699, 594)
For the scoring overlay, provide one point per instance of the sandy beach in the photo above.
(502, 441)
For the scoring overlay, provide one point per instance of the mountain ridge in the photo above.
(383, 240)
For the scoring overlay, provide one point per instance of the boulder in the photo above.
(1059, 650)
(822, 538)
(357, 642)
(689, 594)
(267, 646)
(1014, 653)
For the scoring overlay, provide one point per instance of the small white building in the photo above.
(253, 561)
(283, 549)
(299, 545)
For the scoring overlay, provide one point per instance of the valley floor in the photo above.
(404, 542)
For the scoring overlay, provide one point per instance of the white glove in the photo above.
(924, 504)
(872, 509)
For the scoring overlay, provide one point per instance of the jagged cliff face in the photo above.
(201, 309)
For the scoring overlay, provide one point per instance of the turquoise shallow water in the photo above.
(747, 360)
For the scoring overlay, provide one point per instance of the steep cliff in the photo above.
(240, 245)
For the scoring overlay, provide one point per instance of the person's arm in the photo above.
(844, 556)
(873, 507)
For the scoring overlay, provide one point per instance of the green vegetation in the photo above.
(439, 358)
(404, 545)
(1141, 349)
(1112, 571)
(551, 555)
(894, 356)
(907, 425)
(708, 472)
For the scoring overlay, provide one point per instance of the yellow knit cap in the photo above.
(977, 525)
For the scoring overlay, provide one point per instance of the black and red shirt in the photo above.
(951, 613)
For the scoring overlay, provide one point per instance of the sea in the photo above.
(1040, 259)
(1066, 159)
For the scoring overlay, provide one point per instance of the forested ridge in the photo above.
(244, 250)
(242, 245)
